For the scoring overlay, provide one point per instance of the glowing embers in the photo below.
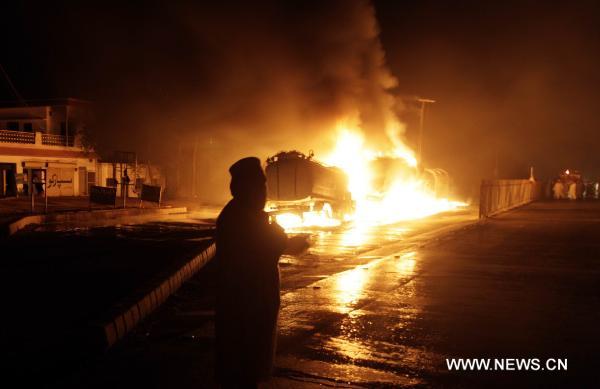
(321, 218)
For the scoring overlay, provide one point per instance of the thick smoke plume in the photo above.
(288, 82)
(224, 81)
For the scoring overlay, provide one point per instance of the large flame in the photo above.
(404, 197)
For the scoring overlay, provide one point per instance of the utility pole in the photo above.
(194, 168)
(421, 121)
(496, 171)
(67, 124)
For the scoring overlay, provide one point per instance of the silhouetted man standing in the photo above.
(248, 251)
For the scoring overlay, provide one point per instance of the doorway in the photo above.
(8, 180)
(83, 176)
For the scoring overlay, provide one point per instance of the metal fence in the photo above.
(501, 195)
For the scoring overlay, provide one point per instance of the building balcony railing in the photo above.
(56, 140)
(17, 137)
(36, 138)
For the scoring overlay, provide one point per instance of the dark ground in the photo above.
(57, 285)
(14, 208)
(386, 310)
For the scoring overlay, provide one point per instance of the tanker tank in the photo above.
(297, 183)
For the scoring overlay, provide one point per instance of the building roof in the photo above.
(45, 153)
(44, 102)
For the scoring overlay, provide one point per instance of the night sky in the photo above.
(516, 81)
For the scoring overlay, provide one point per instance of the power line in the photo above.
(12, 86)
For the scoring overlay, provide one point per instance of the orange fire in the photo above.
(404, 197)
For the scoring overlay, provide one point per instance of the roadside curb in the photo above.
(115, 328)
(81, 216)
(21, 223)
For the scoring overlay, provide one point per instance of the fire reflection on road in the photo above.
(349, 286)
(406, 263)
(354, 341)
(354, 302)
(355, 236)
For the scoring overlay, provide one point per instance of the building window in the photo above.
(28, 127)
(12, 126)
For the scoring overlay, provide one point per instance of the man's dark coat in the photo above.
(248, 251)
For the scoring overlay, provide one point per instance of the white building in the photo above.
(43, 140)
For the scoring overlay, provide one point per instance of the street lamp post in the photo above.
(421, 120)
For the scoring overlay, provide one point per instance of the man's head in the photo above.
(248, 183)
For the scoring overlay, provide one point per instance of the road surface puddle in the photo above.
(312, 370)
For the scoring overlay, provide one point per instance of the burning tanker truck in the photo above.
(388, 170)
(299, 186)
(304, 192)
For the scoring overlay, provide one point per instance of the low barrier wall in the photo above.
(101, 215)
(132, 312)
(501, 195)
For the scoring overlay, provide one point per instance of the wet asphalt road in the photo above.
(525, 285)
(183, 328)
(386, 306)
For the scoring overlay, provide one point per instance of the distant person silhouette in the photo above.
(248, 251)
(558, 189)
(125, 183)
(572, 191)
